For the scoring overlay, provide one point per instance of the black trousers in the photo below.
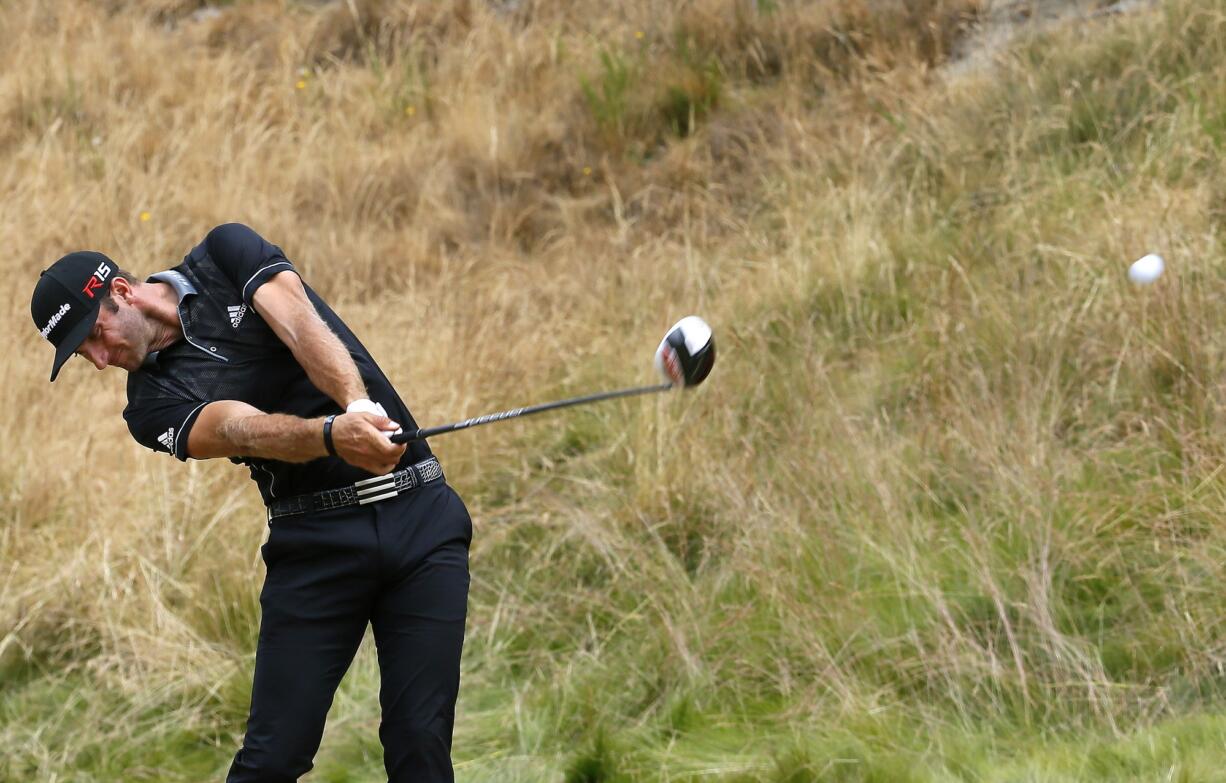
(400, 564)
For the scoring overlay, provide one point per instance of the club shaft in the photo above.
(488, 418)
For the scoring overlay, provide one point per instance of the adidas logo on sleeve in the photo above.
(167, 439)
(236, 314)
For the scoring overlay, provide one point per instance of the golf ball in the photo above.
(1146, 269)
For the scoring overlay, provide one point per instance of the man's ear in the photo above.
(122, 289)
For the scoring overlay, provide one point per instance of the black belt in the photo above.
(361, 492)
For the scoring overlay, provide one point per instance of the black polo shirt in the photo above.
(231, 353)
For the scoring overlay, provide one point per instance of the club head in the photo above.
(687, 353)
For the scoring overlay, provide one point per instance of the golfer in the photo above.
(230, 354)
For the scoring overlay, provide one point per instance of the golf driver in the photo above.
(685, 358)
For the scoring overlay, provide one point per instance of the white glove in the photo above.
(367, 406)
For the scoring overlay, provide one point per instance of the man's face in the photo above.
(118, 339)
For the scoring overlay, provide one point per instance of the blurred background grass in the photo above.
(947, 510)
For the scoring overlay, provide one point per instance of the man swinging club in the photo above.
(230, 354)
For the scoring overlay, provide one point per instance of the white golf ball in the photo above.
(1146, 269)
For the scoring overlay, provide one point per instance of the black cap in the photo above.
(66, 300)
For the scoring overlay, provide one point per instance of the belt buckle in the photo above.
(372, 490)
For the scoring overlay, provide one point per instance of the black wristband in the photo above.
(328, 435)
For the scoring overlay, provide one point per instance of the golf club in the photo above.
(685, 358)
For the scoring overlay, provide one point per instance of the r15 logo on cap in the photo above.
(97, 279)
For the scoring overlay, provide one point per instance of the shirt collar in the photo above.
(176, 280)
(183, 288)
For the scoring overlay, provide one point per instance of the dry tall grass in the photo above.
(951, 481)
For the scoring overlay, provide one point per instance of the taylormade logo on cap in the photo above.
(55, 319)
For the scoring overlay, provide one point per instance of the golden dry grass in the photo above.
(888, 524)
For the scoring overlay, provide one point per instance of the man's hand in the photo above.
(367, 406)
(361, 439)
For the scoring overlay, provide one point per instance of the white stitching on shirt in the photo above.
(257, 273)
(272, 480)
(175, 450)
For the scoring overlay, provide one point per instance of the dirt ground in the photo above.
(1004, 19)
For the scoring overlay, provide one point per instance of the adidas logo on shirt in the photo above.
(236, 314)
(167, 439)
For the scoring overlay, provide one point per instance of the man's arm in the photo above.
(282, 302)
(229, 428)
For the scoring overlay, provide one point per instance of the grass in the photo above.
(946, 511)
